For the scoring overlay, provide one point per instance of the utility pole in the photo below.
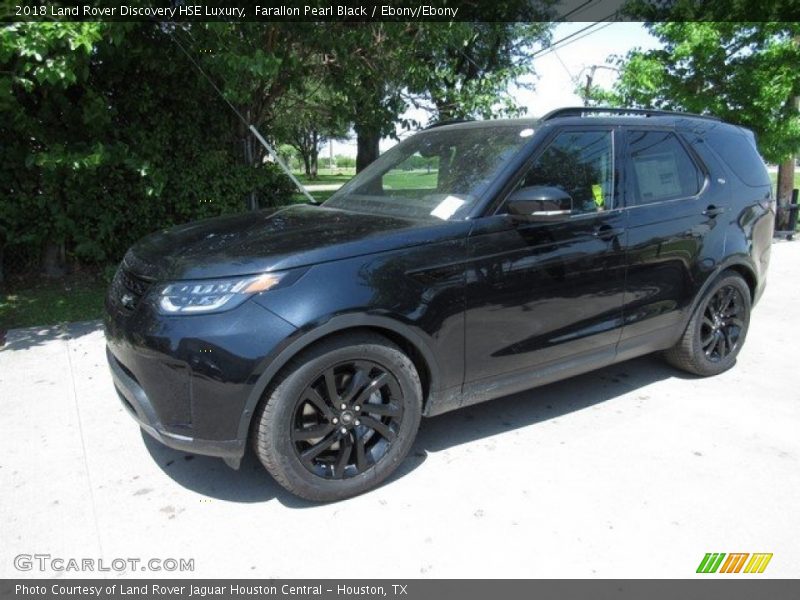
(588, 89)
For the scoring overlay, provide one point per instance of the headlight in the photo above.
(213, 295)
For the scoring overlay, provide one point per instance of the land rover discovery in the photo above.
(473, 260)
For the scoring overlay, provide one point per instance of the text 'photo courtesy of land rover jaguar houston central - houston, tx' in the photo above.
(471, 261)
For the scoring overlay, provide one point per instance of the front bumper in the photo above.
(187, 380)
(136, 402)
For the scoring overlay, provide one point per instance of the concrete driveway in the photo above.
(632, 471)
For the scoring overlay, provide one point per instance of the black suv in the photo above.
(471, 261)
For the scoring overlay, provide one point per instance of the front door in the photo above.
(542, 297)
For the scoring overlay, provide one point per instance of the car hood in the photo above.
(256, 242)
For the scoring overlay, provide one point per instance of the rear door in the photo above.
(676, 216)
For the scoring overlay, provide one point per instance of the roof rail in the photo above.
(580, 111)
(448, 122)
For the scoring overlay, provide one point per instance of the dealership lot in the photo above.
(636, 470)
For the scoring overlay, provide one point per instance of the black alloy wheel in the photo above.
(340, 417)
(347, 419)
(717, 329)
(722, 323)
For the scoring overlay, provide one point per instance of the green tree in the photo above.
(255, 66)
(288, 154)
(109, 131)
(465, 69)
(45, 106)
(315, 119)
(345, 162)
(367, 64)
(109, 141)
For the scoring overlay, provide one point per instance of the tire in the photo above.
(717, 330)
(321, 452)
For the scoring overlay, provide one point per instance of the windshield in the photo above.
(435, 174)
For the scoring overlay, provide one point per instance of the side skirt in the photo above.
(525, 379)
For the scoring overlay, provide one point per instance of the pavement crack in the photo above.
(83, 445)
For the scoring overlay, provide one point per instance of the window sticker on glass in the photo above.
(447, 208)
(528, 132)
(658, 176)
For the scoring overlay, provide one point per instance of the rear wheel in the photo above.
(340, 418)
(717, 330)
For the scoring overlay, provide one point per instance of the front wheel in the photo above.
(717, 330)
(340, 418)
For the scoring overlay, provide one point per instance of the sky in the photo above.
(556, 71)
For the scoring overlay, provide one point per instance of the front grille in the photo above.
(128, 289)
(134, 284)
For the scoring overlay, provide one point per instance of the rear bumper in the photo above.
(138, 405)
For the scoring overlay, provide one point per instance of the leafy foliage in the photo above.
(368, 66)
(112, 135)
(465, 69)
(110, 132)
(315, 119)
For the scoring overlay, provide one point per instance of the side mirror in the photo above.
(540, 203)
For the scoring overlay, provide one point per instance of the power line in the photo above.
(575, 10)
(588, 34)
(569, 73)
(568, 39)
(555, 44)
(560, 43)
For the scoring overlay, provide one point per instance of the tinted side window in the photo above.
(662, 169)
(582, 164)
(740, 155)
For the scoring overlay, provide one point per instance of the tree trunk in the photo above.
(786, 175)
(2, 272)
(444, 108)
(786, 172)
(368, 141)
(52, 263)
(314, 164)
(306, 163)
(784, 191)
(314, 150)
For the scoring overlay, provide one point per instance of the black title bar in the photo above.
(399, 10)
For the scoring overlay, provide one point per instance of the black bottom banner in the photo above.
(412, 589)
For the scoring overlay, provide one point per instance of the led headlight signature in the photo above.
(214, 295)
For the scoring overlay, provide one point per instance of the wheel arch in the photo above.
(736, 264)
(395, 331)
(749, 276)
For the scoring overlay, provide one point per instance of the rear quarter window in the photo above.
(740, 155)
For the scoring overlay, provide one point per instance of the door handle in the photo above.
(606, 232)
(713, 211)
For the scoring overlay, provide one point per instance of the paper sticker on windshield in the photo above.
(447, 207)
(526, 133)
